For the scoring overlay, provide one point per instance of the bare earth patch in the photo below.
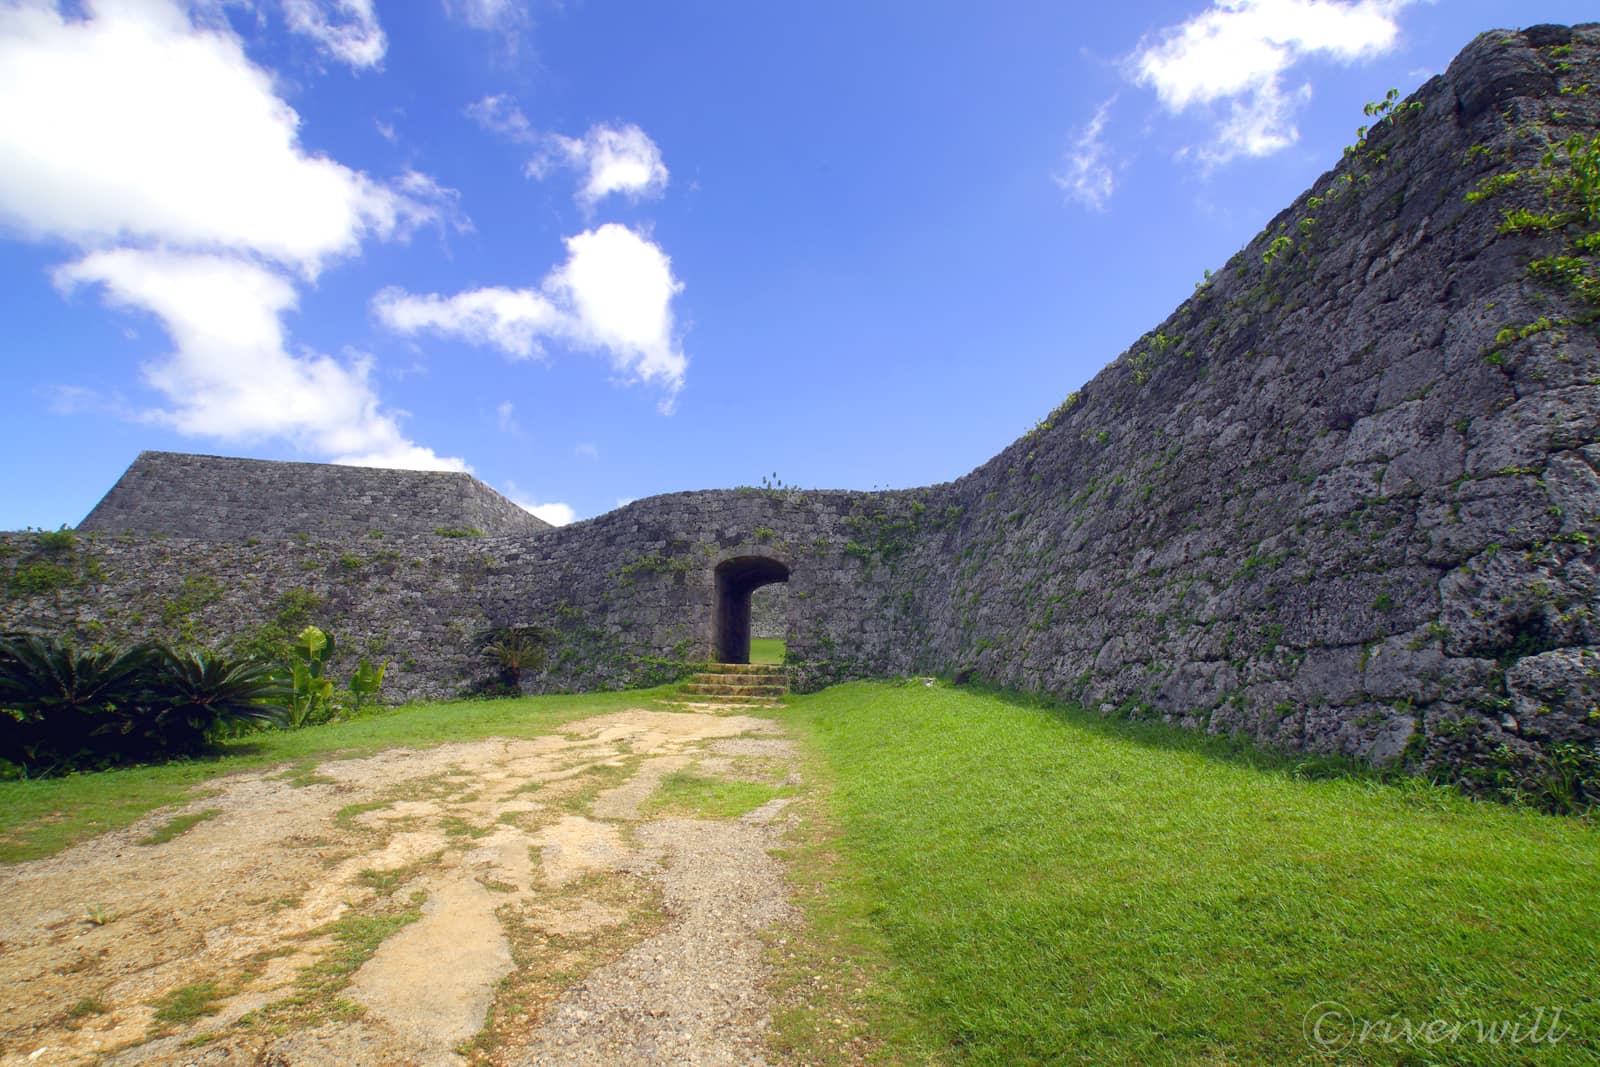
(495, 902)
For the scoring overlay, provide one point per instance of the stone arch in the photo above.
(736, 579)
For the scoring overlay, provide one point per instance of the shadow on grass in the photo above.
(1237, 749)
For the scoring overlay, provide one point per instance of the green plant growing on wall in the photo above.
(1570, 174)
(274, 640)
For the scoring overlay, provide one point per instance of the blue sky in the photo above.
(597, 251)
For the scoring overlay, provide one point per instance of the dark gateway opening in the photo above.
(736, 579)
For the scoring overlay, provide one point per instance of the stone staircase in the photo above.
(737, 685)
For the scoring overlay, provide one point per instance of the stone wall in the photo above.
(1343, 500)
(769, 611)
(627, 598)
(219, 498)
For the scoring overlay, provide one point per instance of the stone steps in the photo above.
(733, 690)
(737, 684)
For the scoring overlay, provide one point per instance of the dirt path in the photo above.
(507, 902)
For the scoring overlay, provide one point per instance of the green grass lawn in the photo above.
(766, 650)
(1051, 888)
(993, 882)
(39, 817)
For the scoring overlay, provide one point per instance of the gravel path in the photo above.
(531, 910)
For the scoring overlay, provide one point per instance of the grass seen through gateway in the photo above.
(766, 650)
(1054, 888)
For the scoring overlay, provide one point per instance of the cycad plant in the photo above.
(511, 650)
(198, 696)
(61, 705)
(64, 708)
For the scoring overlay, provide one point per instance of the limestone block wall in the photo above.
(769, 611)
(1344, 499)
(627, 598)
(221, 498)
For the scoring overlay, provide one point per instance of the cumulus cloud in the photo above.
(613, 160)
(229, 375)
(556, 514)
(347, 30)
(620, 160)
(1236, 54)
(1087, 177)
(159, 149)
(512, 320)
(135, 125)
(612, 295)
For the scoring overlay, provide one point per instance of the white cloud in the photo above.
(157, 147)
(348, 30)
(1238, 52)
(586, 450)
(511, 320)
(230, 375)
(135, 125)
(555, 514)
(1087, 177)
(613, 294)
(621, 160)
(496, 16)
(506, 418)
(500, 114)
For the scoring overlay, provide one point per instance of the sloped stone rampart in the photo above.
(223, 498)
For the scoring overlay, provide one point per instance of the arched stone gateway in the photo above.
(737, 578)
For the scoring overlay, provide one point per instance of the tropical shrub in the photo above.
(366, 682)
(199, 696)
(64, 708)
(510, 650)
(312, 696)
(59, 702)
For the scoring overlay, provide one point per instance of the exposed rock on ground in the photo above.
(512, 900)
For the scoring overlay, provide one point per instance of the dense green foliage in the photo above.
(511, 651)
(63, 708)
(1055, 888)
(312, 686)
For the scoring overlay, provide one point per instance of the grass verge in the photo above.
(43, 816)
(1053, 888)
(687, 793)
